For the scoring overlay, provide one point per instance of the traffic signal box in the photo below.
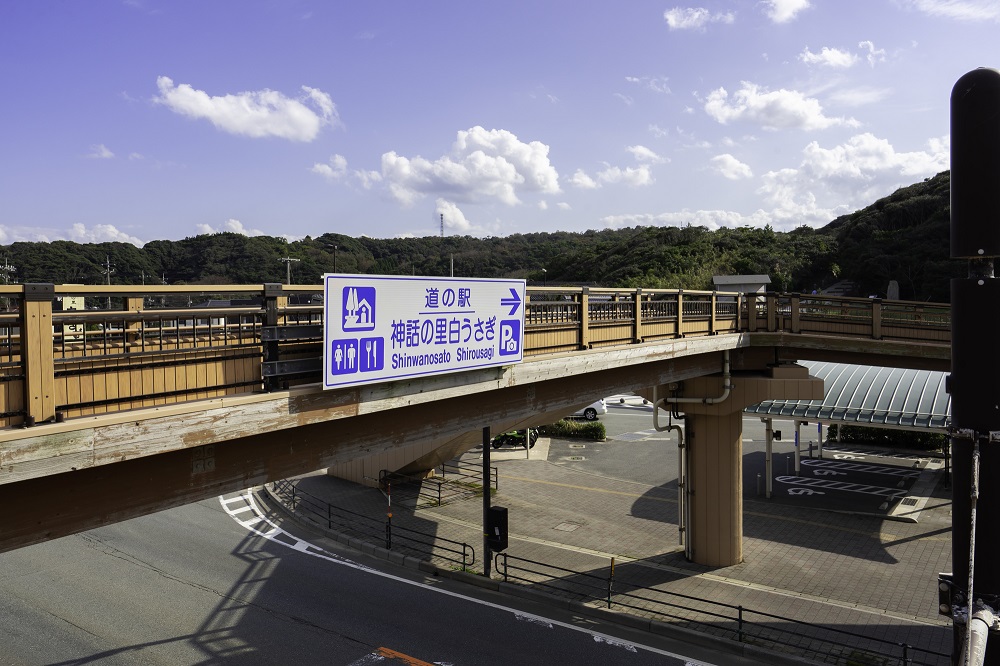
(496, 528)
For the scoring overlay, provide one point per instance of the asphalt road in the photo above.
(210, 583)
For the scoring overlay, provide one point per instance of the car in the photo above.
(591, 411)
(515, 438)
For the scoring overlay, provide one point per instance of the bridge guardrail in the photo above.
(126, 347)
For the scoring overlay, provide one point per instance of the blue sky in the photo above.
(140, 120)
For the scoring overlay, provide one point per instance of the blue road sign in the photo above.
(381, 328)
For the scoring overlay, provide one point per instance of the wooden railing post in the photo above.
(272, 293)
(876, 318)
(711, 320)
(750, 300)
(133, 329)
(795, 313)
(680, 313)
(637, 317)
(37, 354)
(772, 313)
(585, 318)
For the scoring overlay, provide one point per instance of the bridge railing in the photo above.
(76, 350)
(855, 317)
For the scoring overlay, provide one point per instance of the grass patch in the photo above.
(572, 429)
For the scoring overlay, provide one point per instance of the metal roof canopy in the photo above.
(870, 396)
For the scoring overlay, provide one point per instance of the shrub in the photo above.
(593, 430)
(903, 439)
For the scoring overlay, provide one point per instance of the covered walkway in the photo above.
(862, 395)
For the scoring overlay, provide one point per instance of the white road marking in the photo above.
(533, 620)
(315, 551)
(616, 643)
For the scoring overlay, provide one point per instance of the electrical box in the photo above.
(776, 434)
(496, 528)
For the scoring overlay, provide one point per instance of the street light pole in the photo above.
(543, 276)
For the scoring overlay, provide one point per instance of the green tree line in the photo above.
(902, 237)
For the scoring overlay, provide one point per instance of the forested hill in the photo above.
(902, 237)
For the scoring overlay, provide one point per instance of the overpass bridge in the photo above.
(144, 398)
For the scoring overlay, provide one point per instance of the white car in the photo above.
(591, 411)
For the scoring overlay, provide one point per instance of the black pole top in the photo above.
(975, 165)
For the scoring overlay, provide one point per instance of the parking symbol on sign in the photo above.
(510, 337)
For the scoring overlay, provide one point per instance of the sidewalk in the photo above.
(856, 573)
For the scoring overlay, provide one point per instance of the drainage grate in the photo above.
(577, 446)
(909, 501)
(567, 527)
(575, 458)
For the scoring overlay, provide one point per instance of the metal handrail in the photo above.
(745, 630)
(457, 551)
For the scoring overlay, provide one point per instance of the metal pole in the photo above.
(819, 434)
(768, 475)
(798, 467)
(975, 318)
(486, 501)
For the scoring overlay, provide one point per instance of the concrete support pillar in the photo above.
(715, 484)
(714, 445)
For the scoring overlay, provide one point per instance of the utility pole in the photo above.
(6, 270)
(971, 594)
(288, 268)
(108, 270)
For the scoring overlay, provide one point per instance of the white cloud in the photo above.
(368, 179)
(562, 205)
(783, 11)
(101, 233)
(625, 99)
(711, 219)
(874, 55)
(543, 205)
(639, 176)
(233, 225)
(828, 57)
(644, 154)
(772, 110)
(852, 174)
(454, 218)
(100, 152)
(859, 96)
(729, 167)
(335, 170)
(694, 18)
(483, 165)
(581, 180)
(962, 10)
(256, 114)
(865, 156)
(655, 83)
(658, 131)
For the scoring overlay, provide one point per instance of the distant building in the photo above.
(747, 284)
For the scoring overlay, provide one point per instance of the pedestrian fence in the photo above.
(765, 630)
(453, 480)
(745, 625)
(392, 537)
